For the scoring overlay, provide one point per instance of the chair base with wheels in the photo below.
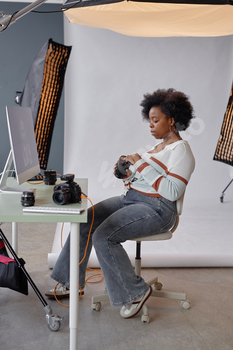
(157, 292)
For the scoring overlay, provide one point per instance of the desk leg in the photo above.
(15, 236)
(74, 284)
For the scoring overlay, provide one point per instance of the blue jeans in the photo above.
(118, 219)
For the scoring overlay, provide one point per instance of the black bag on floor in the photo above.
(3, 250)
(11, 274)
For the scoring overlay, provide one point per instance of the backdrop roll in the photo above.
(108, 74)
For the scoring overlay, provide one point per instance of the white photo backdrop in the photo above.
(107, 75)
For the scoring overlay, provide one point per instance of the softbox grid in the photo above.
(224, 149)
(53, 79)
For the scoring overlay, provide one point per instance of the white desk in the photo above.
(12, 211)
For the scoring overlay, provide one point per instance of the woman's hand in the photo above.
(133, 158)
(128, 171)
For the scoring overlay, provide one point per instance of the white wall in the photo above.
(108, 74)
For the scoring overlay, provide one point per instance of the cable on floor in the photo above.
(98, 273)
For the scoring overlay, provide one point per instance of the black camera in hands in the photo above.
(122, 165)
(67, 192)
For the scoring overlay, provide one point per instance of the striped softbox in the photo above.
(224, 149)
(42, 92)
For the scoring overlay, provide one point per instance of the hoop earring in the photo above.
(174, 129)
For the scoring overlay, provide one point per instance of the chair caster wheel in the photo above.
(158, 286)
(96, 306)
(185, 304)
(145, 318)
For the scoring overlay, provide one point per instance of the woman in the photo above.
(159, 178)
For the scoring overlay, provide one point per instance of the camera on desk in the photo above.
(67, 192)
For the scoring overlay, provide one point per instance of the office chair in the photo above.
(157, 292)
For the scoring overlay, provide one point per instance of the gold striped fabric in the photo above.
(53, 78)
(224, 149)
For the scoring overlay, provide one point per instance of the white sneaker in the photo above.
(133, 309)
(61, 292)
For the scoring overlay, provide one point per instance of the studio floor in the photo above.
(207, 325)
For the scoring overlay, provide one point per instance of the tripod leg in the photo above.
(221, 198)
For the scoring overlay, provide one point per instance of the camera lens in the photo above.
(27, 199)
(50, 177)
(61, 197)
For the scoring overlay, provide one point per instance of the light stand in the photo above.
(7, 20)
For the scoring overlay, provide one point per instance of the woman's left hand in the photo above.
(133, 158)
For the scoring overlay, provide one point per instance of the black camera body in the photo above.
(67, 192)
(122, 165)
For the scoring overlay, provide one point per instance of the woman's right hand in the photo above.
(128, 171)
